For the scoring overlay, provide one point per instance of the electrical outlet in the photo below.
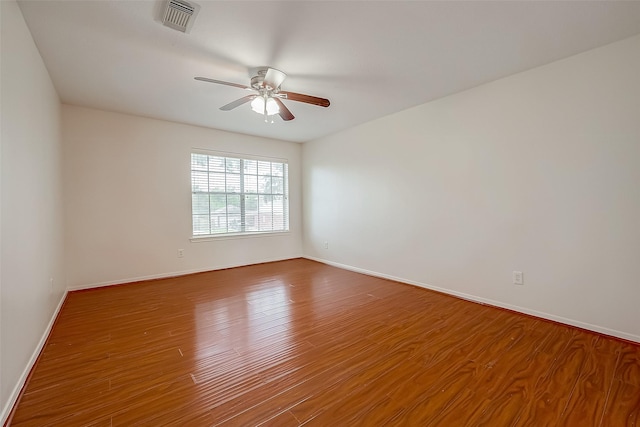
(51, 283)
(180, 253)
(326, 245)
(517, 278)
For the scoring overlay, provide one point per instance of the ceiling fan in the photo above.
(268, 97)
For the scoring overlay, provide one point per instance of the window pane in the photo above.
(277, 185)
(251, 167)
(252, 223)
(233, 204)
(278, 213)
(264, 203)
(264, 208)
(251, 213)
(218, 224)
(278, 205)
(233, 183)
(199, 181)
(264, 184)
(218, 203)
(234, 225)
(285, 167)
(200, 203)
(200, 225)
(233, 165)
(250, 184)
(216, 182)
(216, 164)
(277, 169)
(251, 204)
(199, 162)
(264, 168)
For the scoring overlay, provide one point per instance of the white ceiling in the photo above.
(369, 58)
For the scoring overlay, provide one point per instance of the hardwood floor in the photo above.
(298, 342)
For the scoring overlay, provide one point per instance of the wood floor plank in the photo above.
(623, 406)
(336, 397)
(508, 385)
(590, 393)
(628, 369)
(284, 419)
(553, 390)
(301, 343)
(430, 395)
(288, 390)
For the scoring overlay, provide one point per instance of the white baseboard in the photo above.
(15, 393)
(473, 298)
(172, 274)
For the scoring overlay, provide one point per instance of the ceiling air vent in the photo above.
(180, 15)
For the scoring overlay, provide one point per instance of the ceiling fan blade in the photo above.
(284, 111)
(274, 78)
(321, 102)
(238, 102)
(220, 82)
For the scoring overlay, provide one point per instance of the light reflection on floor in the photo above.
(243, 321)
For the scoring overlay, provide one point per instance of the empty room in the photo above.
(323, 213)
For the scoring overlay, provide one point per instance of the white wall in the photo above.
(128, 198)
(538, 172)
(31, 204)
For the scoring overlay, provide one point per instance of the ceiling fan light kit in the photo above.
(268, 107)
(265, 105)
(268, 97)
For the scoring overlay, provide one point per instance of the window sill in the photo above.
(196, 239)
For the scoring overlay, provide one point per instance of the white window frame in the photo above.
(247, 226)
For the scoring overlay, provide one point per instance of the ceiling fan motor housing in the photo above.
(257, 82)
(268, 79)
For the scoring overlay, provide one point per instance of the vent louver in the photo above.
(180, 15)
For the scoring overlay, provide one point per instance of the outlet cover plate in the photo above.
(518, 278)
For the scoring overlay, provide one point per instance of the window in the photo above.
(232, 195)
